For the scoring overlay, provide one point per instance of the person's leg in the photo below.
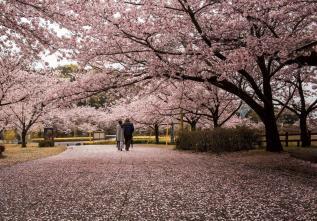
(118, 145)
(127, 144)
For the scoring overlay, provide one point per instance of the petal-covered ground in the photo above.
(101, 183)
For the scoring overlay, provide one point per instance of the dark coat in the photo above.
(128, 130)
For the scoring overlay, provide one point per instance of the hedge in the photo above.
(46, 143)
(218, 140)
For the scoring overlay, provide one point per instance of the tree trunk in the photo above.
(193, 126)
(215, 122)
(273, 142)
(157, 133)
(23, 138)
(216, 125)
(172, 134)
(304, 134)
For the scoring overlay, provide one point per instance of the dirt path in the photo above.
(100, 183)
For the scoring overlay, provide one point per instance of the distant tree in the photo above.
(68, 70)
(288, 118)
(303, 103)
(41, 97)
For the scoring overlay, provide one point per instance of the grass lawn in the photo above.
(14, 154)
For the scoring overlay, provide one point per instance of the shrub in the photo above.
(2, 149)
(46, 143)
(218, 140)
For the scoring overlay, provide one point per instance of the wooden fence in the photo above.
(291, 137)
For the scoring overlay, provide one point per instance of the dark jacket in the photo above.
(128, 130)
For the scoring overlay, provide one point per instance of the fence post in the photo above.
(286, 139)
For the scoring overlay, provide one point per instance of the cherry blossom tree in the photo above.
(165, 103)
(12, 81)
(13, 85)
(33, 27)
(4, 122)
(143, 111)
(172, 103)
(40, 98)
(302, 102)
(238, 46)
(195, 101)
(77, 117)
(241, 47)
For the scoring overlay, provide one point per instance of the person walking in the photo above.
(128, 130)
(119, 136)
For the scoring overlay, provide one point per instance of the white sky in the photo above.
(53, 61)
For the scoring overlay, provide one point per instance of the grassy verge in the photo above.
(14, 154)
(89, 140)
(65, 139)
(113, 142)
(155, 146)
(307, 154)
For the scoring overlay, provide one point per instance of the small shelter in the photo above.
(99, 135)
(49, 133)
